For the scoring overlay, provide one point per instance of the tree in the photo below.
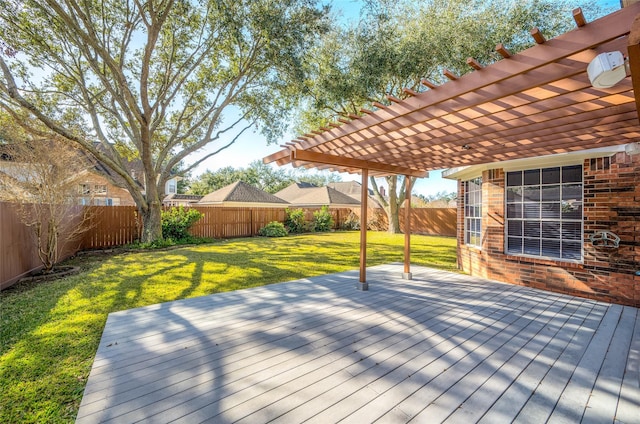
(397, 196)
(319, 179)
(157, 80)
(41, 178)
(356, 66)
(260, 175)
(211, 181)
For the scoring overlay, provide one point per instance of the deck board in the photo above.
(442, 347)
(628, 409)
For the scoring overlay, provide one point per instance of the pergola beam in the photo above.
(548, 122)
(340, 161)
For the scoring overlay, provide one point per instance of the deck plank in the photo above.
(506, 372)
(603, 402)
(573, 401)
(527, 325)
(443, 346)
(425, 362)
(338, 356)
(629, 401)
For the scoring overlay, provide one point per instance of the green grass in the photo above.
(50, 331)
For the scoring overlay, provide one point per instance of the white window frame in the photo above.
(84, 189)
(100, 189)
(569, 228)
(473, 212)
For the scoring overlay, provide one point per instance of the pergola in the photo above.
(533, 103)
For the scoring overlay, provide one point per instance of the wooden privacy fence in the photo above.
(18, 247)
(111, 226)
(119, 225)
(432, 221)
(428, 221)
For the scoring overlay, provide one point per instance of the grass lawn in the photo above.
(49, 332)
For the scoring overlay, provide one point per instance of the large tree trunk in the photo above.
(392, 204)
(152, 213)
(152, 223)
(394, 218)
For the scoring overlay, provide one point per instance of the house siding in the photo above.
(611, 202)
(120, 196)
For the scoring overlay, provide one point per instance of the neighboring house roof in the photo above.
(350, 188)
(182, 198)
(241, 192)
(353, 189)
(305, 194)
(175, 196)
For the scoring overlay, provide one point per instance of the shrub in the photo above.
(169, 242)
(273, 229)
(322, 219)
(352, 222)
(177, 221)
(294, 221)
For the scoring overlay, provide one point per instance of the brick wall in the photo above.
(611, 202)
(120, 196)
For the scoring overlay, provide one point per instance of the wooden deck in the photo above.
(443, 347)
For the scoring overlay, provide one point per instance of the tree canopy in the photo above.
(396, 44)
(155, 81)
(259, 175)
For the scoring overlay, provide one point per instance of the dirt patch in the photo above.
(56, 273)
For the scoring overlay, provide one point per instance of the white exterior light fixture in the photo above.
(606, 70)
(632, 149)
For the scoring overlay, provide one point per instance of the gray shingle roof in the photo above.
(175, 196)
(306, 194)
(350, 188)
(241, 192)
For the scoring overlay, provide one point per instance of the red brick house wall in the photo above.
(611, 202)
(119, 195)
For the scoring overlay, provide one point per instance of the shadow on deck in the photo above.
(443, 347)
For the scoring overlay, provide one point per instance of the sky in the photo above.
(253, 146)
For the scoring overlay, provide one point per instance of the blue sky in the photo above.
(253, 146)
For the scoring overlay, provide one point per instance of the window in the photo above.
(544, 212)
(473, 212)
(100, 189)
(84, 189)
(172, 187)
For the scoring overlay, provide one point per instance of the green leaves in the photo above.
(396, 44)
(265, 177)
(177, 221)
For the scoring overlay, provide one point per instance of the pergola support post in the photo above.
(362, 284)
(633, 49)
(407, 230)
